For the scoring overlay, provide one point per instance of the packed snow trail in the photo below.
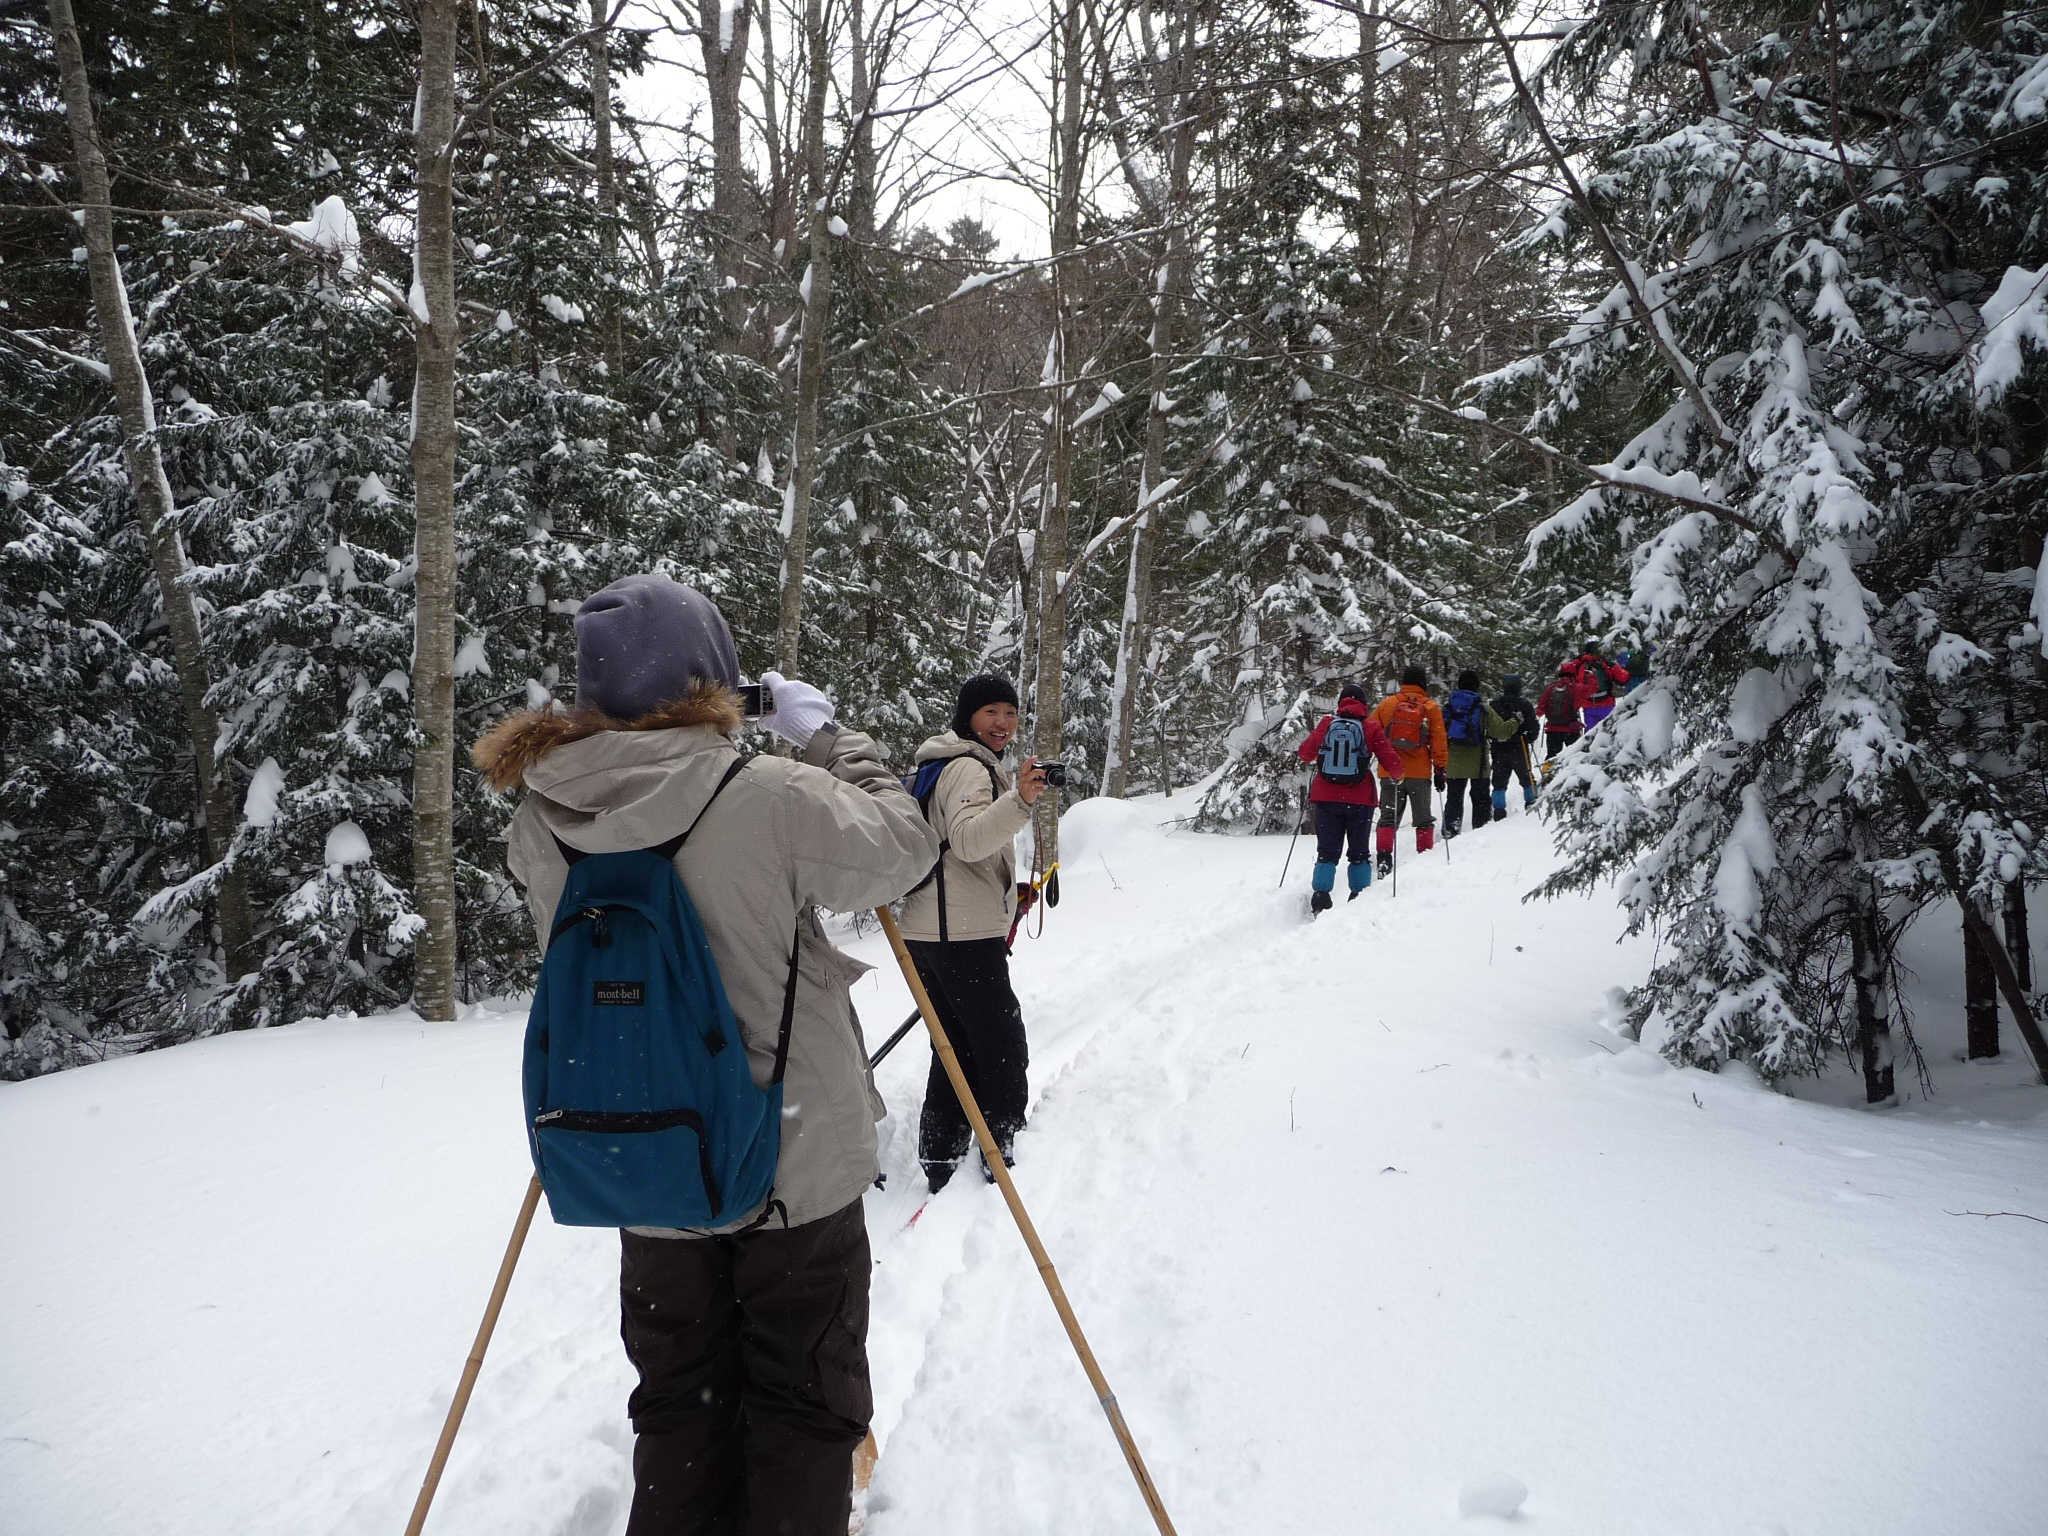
(1358, 1215)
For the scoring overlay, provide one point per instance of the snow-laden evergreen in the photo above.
(1827, 506)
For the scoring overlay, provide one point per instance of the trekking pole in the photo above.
(1300, 811)
(893, 1041)
(475, 1362)
(993, 1156)
(1529, 763)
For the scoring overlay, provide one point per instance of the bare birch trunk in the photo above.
(154, 507)
(1050, 556)
(810, 372)
(725, 71)
(607, 188)
(436, 335)
(1172, 106)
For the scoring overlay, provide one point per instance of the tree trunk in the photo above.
(725, 71)
(1980, 999)
(810, 371)
(436, 335)
(2019, 941)
(862, 201)
(154, 507)
(1873, 1003)
(607, 188)
(2017, 997)
(1173, 106)
(1050, 556)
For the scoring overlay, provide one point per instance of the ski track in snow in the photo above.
(1355, 1213)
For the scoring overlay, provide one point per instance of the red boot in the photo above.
(1425, 839)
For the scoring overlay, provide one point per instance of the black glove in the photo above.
(1440, 781)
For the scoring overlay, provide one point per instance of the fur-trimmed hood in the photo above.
(519, 742)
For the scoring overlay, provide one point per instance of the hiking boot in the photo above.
(1319, 902)
(1385, 862)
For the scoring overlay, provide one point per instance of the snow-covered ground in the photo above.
(1356, 1213)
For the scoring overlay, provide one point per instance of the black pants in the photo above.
(1337, 824)
(1511, 760)
(753, 1395)
(1455, 791)
(1556, 741)
(969, 980)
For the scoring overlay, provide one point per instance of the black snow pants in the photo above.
(1556, 741)
(1338, 821)
(1455, 794)
(969, 980)
(1511, 759)
(753, 1395)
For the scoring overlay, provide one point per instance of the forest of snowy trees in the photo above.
(345, 345)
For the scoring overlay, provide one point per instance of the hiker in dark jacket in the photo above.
(1343, 795)
(958, 924)
(1470, 723)
(751, 1340)
(1559, 704)
(1515, 757)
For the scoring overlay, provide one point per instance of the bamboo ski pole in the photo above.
(994, 1156)
(475, 1362)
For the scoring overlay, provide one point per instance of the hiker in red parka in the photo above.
(1343, 793)
(1559, 706)
(1600, 681)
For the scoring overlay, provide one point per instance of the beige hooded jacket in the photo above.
(979, 821)
(835, 830)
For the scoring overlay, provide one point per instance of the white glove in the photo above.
(798, 711)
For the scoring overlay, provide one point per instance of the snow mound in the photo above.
(1496, 1494)
(1105, 826)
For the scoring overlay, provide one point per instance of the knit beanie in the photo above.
(977, 693)
(1468, 679)
(644, 641)
(1414, 677)
(1352, 691)
(1511, 685)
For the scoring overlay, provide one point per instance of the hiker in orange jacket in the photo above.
(1415, 727)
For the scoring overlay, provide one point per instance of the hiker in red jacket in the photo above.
(1343, 792)
(1600, 683)
(1559, 706)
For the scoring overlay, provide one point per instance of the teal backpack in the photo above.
(641, 1110)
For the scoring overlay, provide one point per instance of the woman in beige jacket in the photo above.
(957, 924)
(750, 1341)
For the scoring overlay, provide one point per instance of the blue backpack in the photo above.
(1342, 759)
(1465, 718)
(641, 1110)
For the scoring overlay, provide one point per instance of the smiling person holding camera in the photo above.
(957, 923)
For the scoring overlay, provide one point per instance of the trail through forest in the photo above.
(1357, 1213)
